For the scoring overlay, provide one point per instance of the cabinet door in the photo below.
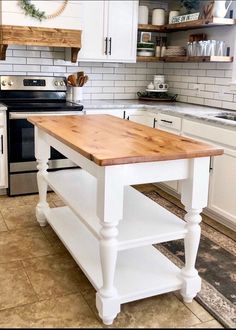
(141, 119)
(3, 174)
(122, 30)
(94, 31)
(114, 112)
(222, 198)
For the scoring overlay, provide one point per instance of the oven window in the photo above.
(21, 142)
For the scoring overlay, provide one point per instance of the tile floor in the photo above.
(41, 285)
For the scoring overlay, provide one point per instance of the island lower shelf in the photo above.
(135, 276)
(144, 221)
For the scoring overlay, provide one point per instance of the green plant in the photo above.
(31, 10)
(190, 4)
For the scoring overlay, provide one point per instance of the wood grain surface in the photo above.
(108, 140)
(40, 36)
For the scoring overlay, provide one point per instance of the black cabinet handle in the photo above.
(109, 46)
(106, 41)
(211, 164)
(154, 122)
(2, 144)
(167, 121)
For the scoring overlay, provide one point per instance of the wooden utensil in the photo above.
(81, 81)
(79, 74)
(85, 79)
(72, 80)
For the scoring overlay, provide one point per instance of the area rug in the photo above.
(216, 264)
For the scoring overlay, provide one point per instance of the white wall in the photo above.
(71, 17)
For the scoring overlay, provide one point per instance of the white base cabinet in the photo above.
(3, 151)
(140, 117)
(114, 112)
(222, 196)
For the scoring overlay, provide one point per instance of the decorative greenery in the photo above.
(31, 10)
(190, 5)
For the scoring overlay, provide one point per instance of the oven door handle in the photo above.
(24, 115)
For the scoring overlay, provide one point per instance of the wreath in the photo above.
(30, 10)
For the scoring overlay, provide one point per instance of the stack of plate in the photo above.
(175, 51)
(145, 49)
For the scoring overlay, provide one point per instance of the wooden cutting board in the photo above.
(108, 140)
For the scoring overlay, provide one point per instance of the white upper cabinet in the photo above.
(109, 31)
(122, 30)
(94, 31)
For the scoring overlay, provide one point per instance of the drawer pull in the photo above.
(154, 122)
(167, 121)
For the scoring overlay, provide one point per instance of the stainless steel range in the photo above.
(24, 96)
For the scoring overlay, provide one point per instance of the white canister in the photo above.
(159, 79)
(143, 15)
(172, 14)
(158, 17)
(77, 94)
(69, 94)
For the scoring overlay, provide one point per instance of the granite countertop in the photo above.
(178, 109)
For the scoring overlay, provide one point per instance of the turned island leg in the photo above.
(110, 211)
(42, 154)
(194, 197)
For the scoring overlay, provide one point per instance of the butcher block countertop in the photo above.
(108, 140)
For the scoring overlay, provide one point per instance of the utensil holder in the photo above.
(77, 94)
(69, 96)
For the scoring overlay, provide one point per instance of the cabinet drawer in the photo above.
(169, 122)
(212, 133)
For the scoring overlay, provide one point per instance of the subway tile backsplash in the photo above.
(198, 83)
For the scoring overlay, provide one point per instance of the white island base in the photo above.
(109, 227)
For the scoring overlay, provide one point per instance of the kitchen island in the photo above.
(107, 225)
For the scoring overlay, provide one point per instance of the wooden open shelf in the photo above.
(219, 59)
(197, 24)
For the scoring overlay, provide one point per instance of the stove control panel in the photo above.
(32, 83)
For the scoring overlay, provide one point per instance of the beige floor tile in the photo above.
(15, 288)
(63, 312)
(163, 311)
(53, 276)
(3, 226)
(19, 217)
(6, 201)
(54, 240)
(22, 244)
(197, 309)
(210, 324)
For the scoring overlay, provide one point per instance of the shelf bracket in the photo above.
(3, 49)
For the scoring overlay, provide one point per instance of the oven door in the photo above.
(21, 154)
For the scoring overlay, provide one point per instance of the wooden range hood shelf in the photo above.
(39, 36)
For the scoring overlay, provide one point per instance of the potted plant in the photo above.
(190, 5)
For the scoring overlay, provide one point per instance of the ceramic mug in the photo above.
(161, 86)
